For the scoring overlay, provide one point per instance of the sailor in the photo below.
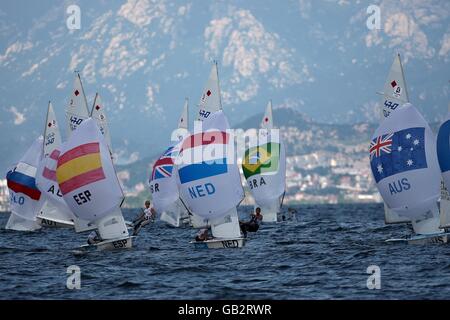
(94, 237)
(202, 235)
(148, 215)
(253, 224)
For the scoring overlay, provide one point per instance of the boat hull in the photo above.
(220, 243)
(113, 244)
(440, 238)
(50, 223)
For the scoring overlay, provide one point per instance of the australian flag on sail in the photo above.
(398, 152)
(164, 165)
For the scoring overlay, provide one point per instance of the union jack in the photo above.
(164, 165)
(381, 144)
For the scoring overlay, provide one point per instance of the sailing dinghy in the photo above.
(394, 96)
(209, 181)
(99, 115)
(54, 212)
(443, 152)
(163, 185)
(76, 112)
(24, 196)
(89, 184)
(264, 168)
(405, 168)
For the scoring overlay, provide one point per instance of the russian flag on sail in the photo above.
(79, 166)
(22, 180)
(208, 167)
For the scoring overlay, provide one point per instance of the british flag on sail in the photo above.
(404, 163)
(163, 186)
(164, 165)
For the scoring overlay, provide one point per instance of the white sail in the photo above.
(77, 109)
(17, 223)
(184, 118)
(163, 184)
(54, 208)
(86, 175)
(267, 120)
(395, 93)
(99, 115)
(404, 164)
(25, 197)
(113, 225)
(208, 177)
(443, 152)
(52, 134)
(227, 226)
(210, 101)
(173, 213)
(264, 168)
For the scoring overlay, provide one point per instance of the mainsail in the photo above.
(54, 207)
(77, 110)
(99, 115)
(25, 197)
(404, 164)
(443, 153)
(264, 167)
(394, 95)
(208, 177)
(88, 181)
(210, 101)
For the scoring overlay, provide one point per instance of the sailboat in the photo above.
(163, 185)
(54, 212)
(443, 152)
(410, 190)
(210, 185)
(24, 196)
(264, 168)
(76, 112)
(209, 181)
(90, 187)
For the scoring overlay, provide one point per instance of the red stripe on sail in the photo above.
(49, 174)
(82, 180)
(79, 151)
(55, 154)
(205, 138)
(20, 188)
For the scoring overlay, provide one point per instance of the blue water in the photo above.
(322, 254)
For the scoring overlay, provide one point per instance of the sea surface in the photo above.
(323, 253)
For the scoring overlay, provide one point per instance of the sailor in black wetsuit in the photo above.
(253, 224)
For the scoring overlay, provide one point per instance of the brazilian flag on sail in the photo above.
(261, 159)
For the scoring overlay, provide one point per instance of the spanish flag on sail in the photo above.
(79, 166)
(261, 159)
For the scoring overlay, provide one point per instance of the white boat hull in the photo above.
(113, 244)
(440, 238)
(50, 223)
(220, 243)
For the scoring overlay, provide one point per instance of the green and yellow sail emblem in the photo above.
(261, 159)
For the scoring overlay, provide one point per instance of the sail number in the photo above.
(204, 113)
(230, 244)
(82, 197)
(120, 243)
(76, 120)
(391, 105)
